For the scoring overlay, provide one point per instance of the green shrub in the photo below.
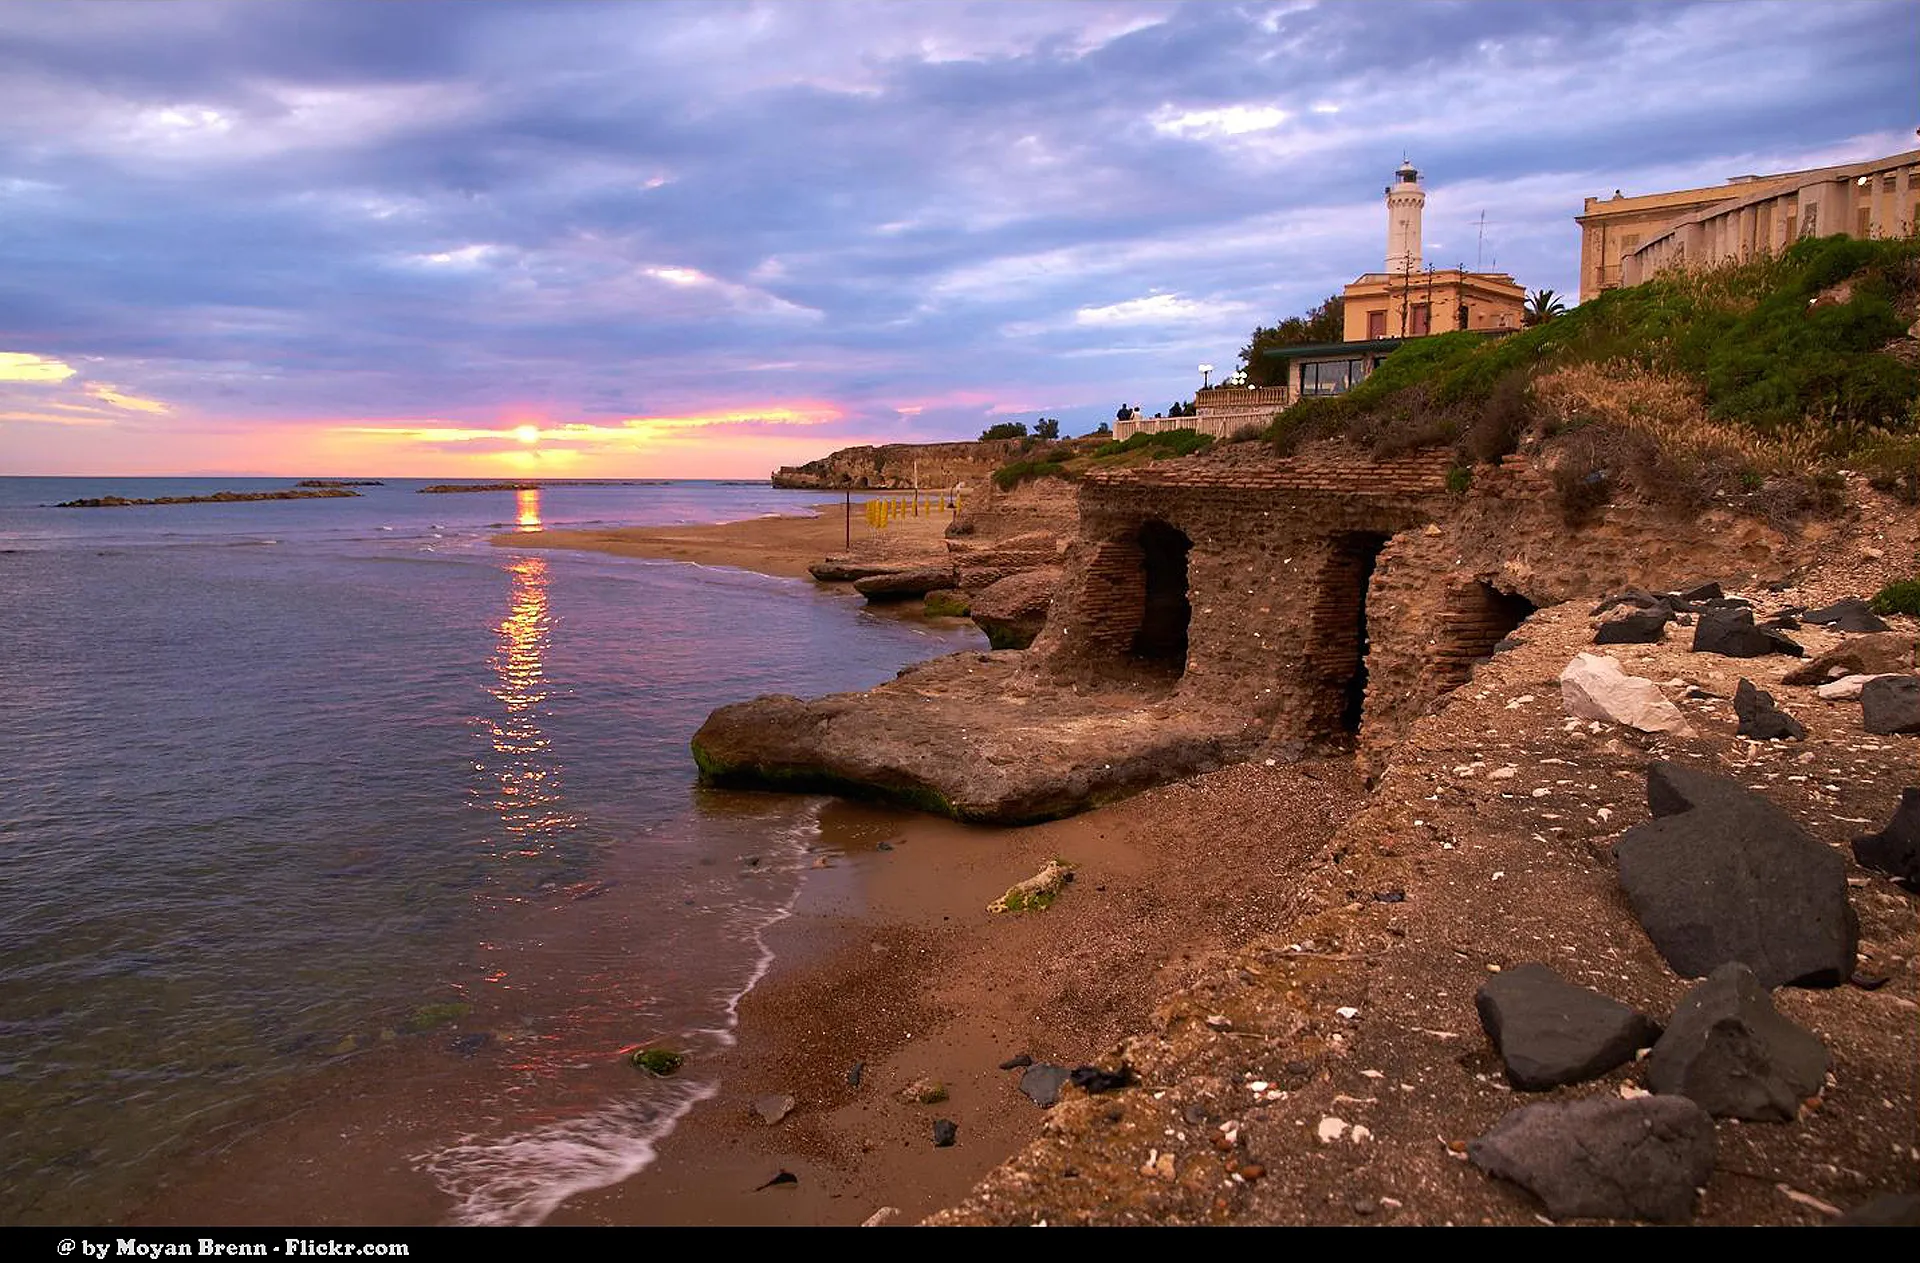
(1901, 597)
(1007, 477)
(1168, 443)
(1459, 478)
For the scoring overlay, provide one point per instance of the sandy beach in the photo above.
(891, 961)
(782, 546)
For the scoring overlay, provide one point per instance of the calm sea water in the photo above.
(286, 783)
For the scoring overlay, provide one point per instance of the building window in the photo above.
(1464, 317)
(1332, 377)
(1422, 320)
(1376, 324)
(1888, 183)
(1863, 221)
(1629, 242)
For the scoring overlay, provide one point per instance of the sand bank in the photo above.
(783, 546)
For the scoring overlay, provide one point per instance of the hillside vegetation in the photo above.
(1070, 461)
(1760, 380)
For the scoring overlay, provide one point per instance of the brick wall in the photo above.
(1273, 578)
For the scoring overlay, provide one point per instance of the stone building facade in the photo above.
(1748, 215)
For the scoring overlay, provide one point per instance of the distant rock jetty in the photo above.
(218, 497)
(340, 482)
(448, 488)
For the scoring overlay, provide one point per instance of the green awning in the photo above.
(1348, 349)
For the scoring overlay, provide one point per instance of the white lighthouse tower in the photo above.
(1405, 199)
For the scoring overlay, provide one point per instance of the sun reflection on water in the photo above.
(524, 774)
(526, 504)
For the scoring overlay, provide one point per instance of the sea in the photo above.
(291, 786)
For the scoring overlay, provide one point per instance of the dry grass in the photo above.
(1672, 411)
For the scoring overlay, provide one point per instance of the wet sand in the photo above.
(892, 962)
(783, 546)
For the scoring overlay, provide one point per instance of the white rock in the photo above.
(1503, 773)
(1360, 1135)
(1844, 689)
(1594, 687)
(879, 1217)
(1330, 1129)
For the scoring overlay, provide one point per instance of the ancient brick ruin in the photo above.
(1220, 606)
(1334, 597)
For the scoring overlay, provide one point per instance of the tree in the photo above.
(1101, 430)
(1326, 322)
(1005, 430)
(1046, 428)
(1542, 305)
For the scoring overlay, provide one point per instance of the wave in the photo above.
(519, 1179)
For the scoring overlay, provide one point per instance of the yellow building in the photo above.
(1410, 299)
(1625, 240)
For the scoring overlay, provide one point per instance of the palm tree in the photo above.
(1542, 305)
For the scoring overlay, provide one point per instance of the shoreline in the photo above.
(890, 961)
(781, 545)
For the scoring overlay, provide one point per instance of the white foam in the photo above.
(520, 1179)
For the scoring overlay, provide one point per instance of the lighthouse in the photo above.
(1405, 199)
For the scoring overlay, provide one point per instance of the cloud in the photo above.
(290, 220)
(20, 366)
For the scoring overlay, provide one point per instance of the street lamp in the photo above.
(1206, 376)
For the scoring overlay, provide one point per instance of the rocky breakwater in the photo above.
(971, 736)
(218, 497)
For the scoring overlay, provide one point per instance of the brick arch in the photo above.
(1134, 601)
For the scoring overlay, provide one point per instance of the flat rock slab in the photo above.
(844, 569)
(1890, 705)
(1895, 850)
(1760, 719)
(966, 736)
(1845, 689)
(1730, 632)
(901, 585)
(1850, 614)
(1729, 1051)
(1720, 874)
(1550, 1032)
(1889, 653)
(1604, 1158)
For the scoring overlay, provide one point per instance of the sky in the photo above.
(703, 240)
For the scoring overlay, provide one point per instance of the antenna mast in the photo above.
(1479, 246)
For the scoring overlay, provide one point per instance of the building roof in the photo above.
(1331, 348)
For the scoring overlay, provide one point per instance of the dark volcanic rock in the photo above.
(1731, 634)
(1849, 615)
(1639, 598)
(1700, 593)
(1042, 1084)
(1549, 1031)
(1760, 719)
(1720, 874)
(1889, 1210)
(1896, 848)
(1884, 654)
(1642, 628)
(1730, 1051)
(1604, 1157)
(944, 1132)
(1891, 704)
(899, 585)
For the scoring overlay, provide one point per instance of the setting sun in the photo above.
(528, 434)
